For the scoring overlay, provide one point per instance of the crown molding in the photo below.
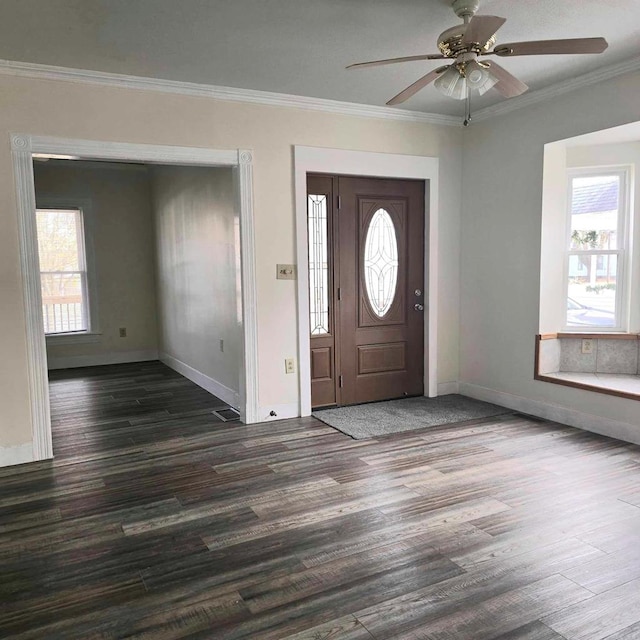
(557, 89)
(252, 96)
(231, 94)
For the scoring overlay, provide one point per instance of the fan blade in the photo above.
(547, 47)
(481, 28)
(376, 63)
(416, 86)
(508, 85)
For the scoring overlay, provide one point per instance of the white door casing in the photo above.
(22, 148)
(370, 164)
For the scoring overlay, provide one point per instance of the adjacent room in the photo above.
(137, 264)
(319, 320)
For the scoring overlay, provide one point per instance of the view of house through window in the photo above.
(63, 273)
(596, 251)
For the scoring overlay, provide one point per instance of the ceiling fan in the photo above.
(467, 43)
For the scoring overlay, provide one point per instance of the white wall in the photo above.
(196, 230)
(501, 182)
(120, 231)
(500, 247)
(553, 290)
(92, 112)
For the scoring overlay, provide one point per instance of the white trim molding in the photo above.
(243, 175)
(82, 337)
(269, 98)
(447, 388)
(364, 163)
(16, 455)
(123, 151)
(22, 148)
(218, 389)
(231, 94)
(101, 359)
(281, 411)
(556, 413)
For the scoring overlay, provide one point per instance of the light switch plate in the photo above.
(286, 272)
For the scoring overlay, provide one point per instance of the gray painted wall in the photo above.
(196, 232)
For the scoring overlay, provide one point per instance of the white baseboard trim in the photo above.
(447, 388)
(115, 357)
(587, 421)
(283, 411)
(218, 389)
(16, 455)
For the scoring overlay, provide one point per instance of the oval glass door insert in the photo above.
(381, 262)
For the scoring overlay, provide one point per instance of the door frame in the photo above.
(370, 165)
(22, 148)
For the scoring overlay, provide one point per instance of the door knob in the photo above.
(418, 307)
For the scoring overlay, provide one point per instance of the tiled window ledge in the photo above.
(622, 384)
(613, 367)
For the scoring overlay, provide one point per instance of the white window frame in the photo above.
(87, 260)
(623, 252)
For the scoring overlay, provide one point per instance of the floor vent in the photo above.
(226, 414)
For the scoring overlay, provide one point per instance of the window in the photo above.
(63, 271)
(597, 252)
(318, 264)
(381, 262)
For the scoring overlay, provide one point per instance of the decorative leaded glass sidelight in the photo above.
(318, 264)
(381, 262)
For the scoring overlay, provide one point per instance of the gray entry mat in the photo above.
(364, 421)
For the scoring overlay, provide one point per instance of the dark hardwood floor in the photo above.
(158, 520)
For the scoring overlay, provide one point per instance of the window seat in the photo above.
(622, 382)
(604, 363)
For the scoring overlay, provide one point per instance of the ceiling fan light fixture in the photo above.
(489, 82)
(479, 78)
(465, 44)
(452, 84)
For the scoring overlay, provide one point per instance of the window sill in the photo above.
(613, 384)
(611, 366)
(72, 338)
(593, 335)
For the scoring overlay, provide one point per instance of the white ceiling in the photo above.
(301, 47)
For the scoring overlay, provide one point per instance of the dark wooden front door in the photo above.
(373, 346)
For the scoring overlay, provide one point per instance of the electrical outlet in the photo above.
(222, 345)
(289, 365)
(587, 346)
(123, 332)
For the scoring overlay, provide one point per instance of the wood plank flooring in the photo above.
(158, 520)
